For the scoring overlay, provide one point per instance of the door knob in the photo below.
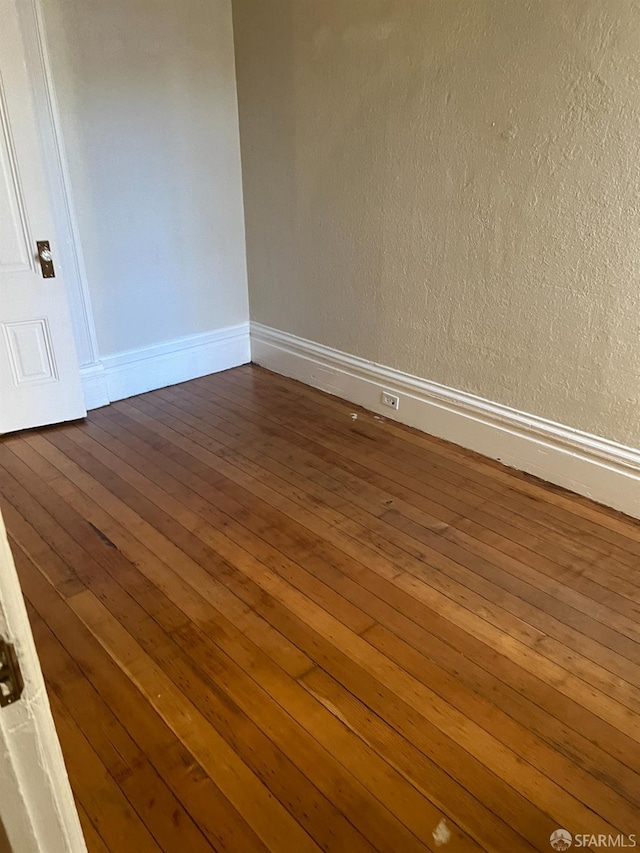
(46, 259)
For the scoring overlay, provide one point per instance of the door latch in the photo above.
(11, 683)
(45, 256)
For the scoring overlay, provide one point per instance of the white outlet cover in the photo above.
(391, 400)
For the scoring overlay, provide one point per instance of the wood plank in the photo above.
(580, 641)
(264, 624)
(474, 737)
(214, 814)
(451, 496)
(377, 507)
(160, 811)
(537, 546)
(579, 751)
(94, 842)
(110, 594)
(179, 593)
(607, 523)
(422, 811)
(96, 790)
(295, 435)
(572, 505)
(419, 570)
(262, 811)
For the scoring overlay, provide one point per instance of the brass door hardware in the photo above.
(46, 259)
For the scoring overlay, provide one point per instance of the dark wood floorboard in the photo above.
(265, 624)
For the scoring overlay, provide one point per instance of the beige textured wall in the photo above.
(149, 112)
(451, 188)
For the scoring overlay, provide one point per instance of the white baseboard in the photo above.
(94, 385)
(601, 469)
(136, 371)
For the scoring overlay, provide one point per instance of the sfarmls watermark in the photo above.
(562, 839)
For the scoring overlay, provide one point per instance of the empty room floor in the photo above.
(266, 624)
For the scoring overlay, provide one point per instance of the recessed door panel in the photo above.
(30, 352)
(14, 236)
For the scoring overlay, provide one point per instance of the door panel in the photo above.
(39, 376)
(30, 352)
(14, 237)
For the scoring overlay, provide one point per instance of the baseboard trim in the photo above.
(603, 470)
(148, 368)
(94, 385)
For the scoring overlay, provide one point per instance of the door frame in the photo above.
(38, 806)
(69, 248)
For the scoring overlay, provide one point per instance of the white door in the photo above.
(37, 809)
(39, 376)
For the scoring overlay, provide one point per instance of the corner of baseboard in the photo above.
(94, 386)
(126, 374)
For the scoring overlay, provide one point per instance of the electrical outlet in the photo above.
(391, 400)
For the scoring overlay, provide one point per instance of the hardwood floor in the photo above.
(268, 625)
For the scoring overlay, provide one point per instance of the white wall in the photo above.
(147, 97)
(450, 188)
